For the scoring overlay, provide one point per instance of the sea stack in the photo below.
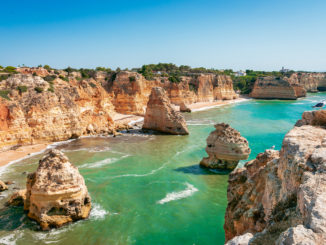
(56, 193)
(225, 148)
(161, 116)
(279, 198)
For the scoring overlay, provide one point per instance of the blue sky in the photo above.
(237, 34)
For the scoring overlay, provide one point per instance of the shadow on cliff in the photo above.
(196, 169)
(13, 218)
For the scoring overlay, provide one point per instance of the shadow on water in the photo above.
(13, 218)
(196, 169)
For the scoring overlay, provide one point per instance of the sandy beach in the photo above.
(23, 151)
(200, 106)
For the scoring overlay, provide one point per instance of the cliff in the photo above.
(225, 148)
(312, 82)
(277, 88)
(130, 90)
(161, 116)
(279, 197)
(38, 111)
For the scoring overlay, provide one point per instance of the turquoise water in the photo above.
(149, 189)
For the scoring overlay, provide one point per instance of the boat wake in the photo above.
(189, 191)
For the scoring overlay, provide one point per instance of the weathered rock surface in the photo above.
(225, 148)
(56, 193)
(17, 199)
(279, 197)
(130, 90)
(3, 186)
(315, 118)
(31, 117)
(312, 82)
(161, 116)
(184, 108)
(277, 88)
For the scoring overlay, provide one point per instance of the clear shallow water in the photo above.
(149, 189)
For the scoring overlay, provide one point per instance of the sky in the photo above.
(221, 34)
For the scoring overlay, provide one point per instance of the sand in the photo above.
(21, 152)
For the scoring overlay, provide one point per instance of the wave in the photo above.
(101, 163)
(11, 238)
(91, 149)
(173, 196)
(98, 212)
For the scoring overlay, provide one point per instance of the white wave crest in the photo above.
(98, 212)
(189, 191)
(101, 163)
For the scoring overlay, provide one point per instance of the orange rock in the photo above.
(161, 116)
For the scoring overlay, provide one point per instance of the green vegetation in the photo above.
(174, 79)
(22, 89)
(38, 89)
(50, 78)
(103, 69)
(1, 67)
(4, 94)
(47, 67)
(192, 87)
(92, 85)
(132, 79)
(10, 69)
(3, 77)
(64, 78)
(147, 72)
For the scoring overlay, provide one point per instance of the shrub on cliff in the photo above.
(147, 72)
(3, 77)
(47, 67)
(38, 89)
(22, 89)
(132, 78)
(50, 78)
(174, 79)
(4, 94)
(64, 78)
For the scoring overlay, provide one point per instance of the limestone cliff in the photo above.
(161, 116)
(312, 82)
(40, 111)
(277, 88)
(56, 193)
(279, 197)
(130, 90)
(225, 148)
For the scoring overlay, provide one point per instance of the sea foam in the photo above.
(172, 196)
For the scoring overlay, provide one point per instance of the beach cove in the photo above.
(140, 182)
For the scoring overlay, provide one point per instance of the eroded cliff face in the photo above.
(312, 82)
(277, 88)
(40, 111)
(130, 90)
(279, 197)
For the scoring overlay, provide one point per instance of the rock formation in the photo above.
(312, 82)
(17, 199)
(3, 186)
(161, 116)
(184, 108)
(280, 196)
(277, 88)
(130, 90)
(40, 111)
(56, 193)
(225, 148)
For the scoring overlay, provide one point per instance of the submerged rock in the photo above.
(225, 148)
(280, 196)
(3, 186)
(56, 193)
(161, 116)
(17, 199)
